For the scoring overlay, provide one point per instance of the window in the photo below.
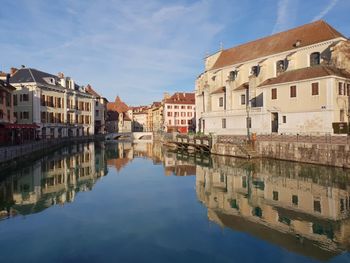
(183, 107)
(176, 114)
(221, 102)
(15, 102)
(97, 112)
(170, 114)
(233, 75)
(43, 117)
(25, 97)
(169, 122)
(275, 195)
(183, 121)
(281, 66)
(223, 123)
(314, 87)
(348, 89)
(189, 114)
(274, 94)
(342, 115)
(189, 122)
(341, 91)
(176, 107)
(254, 71)
(284, 118)
(295, 199)
(243, 99)
(177, 122)
(169, 107)
(315, 59)
(25, 115)
(189, 107)
(293, 91)
(183, 114)
(96, 103)
(317, 206)
(15, 115)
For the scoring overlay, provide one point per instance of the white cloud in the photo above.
(325, 11)
(286, 15)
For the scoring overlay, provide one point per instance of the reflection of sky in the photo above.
(116, 45)
(139, 215)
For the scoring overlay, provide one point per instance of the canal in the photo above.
(123, 202)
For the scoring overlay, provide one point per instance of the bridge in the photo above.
(134, 136)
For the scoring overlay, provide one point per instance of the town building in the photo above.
(293, 82)
(119, 117)
(100, 110)
(157, 116)
(140, 114)
(56, 104)
(179, 112)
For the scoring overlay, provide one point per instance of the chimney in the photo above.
(60, 75)
(13, 71)
(8, 79)
(184, 94)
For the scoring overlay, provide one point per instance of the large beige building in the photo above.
(56, 104)
(295, 81)
(100, 110)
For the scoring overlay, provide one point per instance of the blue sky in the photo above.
(141, 49)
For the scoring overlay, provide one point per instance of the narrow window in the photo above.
(274, 94)
(275, 195)
(340, 88)
(342, 115)
(348, 89)
(221, 102)
(317, 206)
(295, 199)
(223, 122)
(243, 99)
(293, 91)
(284, 118)
(314, 87)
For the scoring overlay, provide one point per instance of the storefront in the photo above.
(17, 133)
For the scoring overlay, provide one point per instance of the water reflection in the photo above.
(52, 180)
(302, 208)
(299, 207)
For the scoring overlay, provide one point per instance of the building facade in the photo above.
(179, 112)
(119, 117)
(295, 81)
(100, 110)
(157, 116)
(56, 104)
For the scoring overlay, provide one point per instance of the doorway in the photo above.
(274, 122)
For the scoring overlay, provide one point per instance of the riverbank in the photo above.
(12, 156)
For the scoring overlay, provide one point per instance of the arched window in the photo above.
(315, 59)
(254, 71)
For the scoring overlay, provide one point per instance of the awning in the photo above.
(243, 86)
(19, 126)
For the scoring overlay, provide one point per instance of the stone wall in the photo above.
(317, 153)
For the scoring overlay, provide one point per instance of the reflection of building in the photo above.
(53, 180)
(301, 208)
(119, 154)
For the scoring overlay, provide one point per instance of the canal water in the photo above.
(140, 203)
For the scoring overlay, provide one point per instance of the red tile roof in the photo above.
(118, 105)
(91, 91)
(308, 34)
(306, 73)
(181, 98)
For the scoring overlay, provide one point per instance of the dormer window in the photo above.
(255, 71)
(315, 59)
(281, 66)
(233, 75)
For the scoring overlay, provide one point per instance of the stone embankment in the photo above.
(325, 150)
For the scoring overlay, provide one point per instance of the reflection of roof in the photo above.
(244, 86)
(308, 34)
(181, 170)
(181, 98)
(289, 241)
(306, 73)
(118, 163)
(118, 105)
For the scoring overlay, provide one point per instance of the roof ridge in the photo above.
(331, 29)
